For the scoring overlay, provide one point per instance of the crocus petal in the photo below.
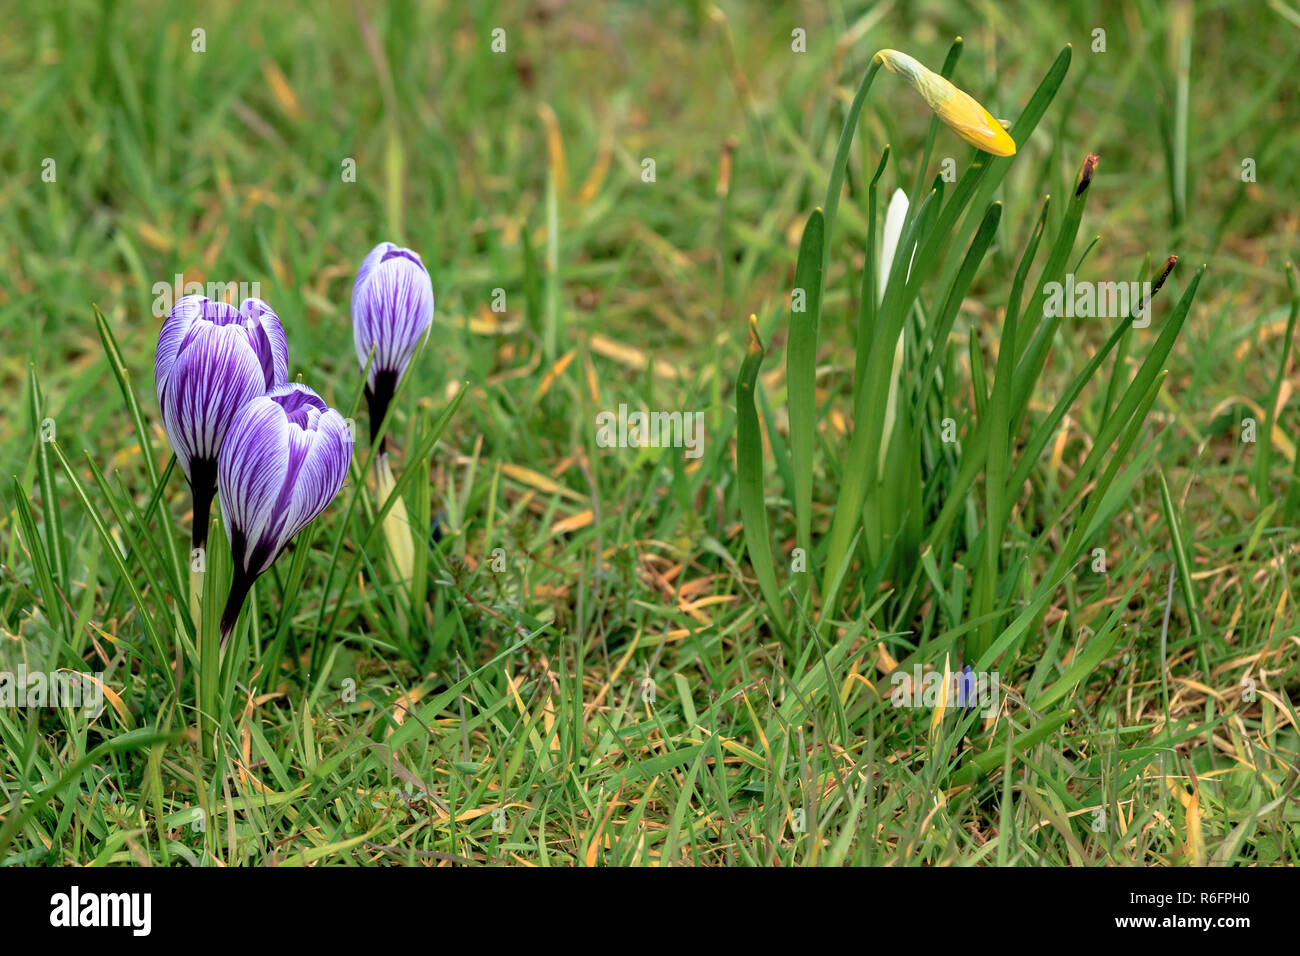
(214, 375)
(282, 463)
(392, 309)
(968, 688)
(363, 332)
(211, 359)
(183, 315)
(958, 109)
(250, 475)
(368, 266)
(301, 405)
(324, 466)
(266, 333)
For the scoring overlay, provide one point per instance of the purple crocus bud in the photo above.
(284, 459)
(212, 358)
(392, 310)
(967, 689)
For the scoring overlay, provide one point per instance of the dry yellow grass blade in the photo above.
(854, 676)
(553, 373)
(610, 681)
(444, 817)
(630, 357)
(668, 637)
(403, 706)
(593, 382)
(153, 238)
(487, 322)
(574, 522)
(538, 481)
(285, 98)
(554, 147)
(1194, 844)
(593, 847)
(1197, 685)
(109, 694)
(1270, 330)
(1280, 441)
(590, 187)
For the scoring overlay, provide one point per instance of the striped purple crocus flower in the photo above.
(212, 359)
(392, 311)
(284, 459)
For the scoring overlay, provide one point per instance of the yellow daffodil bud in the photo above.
(956, 108)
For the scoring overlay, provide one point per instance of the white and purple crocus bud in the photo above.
(283, 460)
(212, 359)
(392, 311)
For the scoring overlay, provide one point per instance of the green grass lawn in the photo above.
(636, 656)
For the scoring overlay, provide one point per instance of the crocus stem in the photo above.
(240, 585)
(203, 487)
(378, 399)
(196, 592)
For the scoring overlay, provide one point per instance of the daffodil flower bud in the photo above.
(958, 109)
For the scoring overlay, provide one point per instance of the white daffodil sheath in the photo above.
(894, 219)
(895, 216)
(397, 526)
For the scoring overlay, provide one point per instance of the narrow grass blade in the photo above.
(1181, 559)
(840, 163)
(123, 377)
(867, 305)
(801, 369)
(114, 552)
(50, 595)
(1265, 460)
(749, 477)
(45, 430)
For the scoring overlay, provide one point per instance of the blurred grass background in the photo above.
(523, 171)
